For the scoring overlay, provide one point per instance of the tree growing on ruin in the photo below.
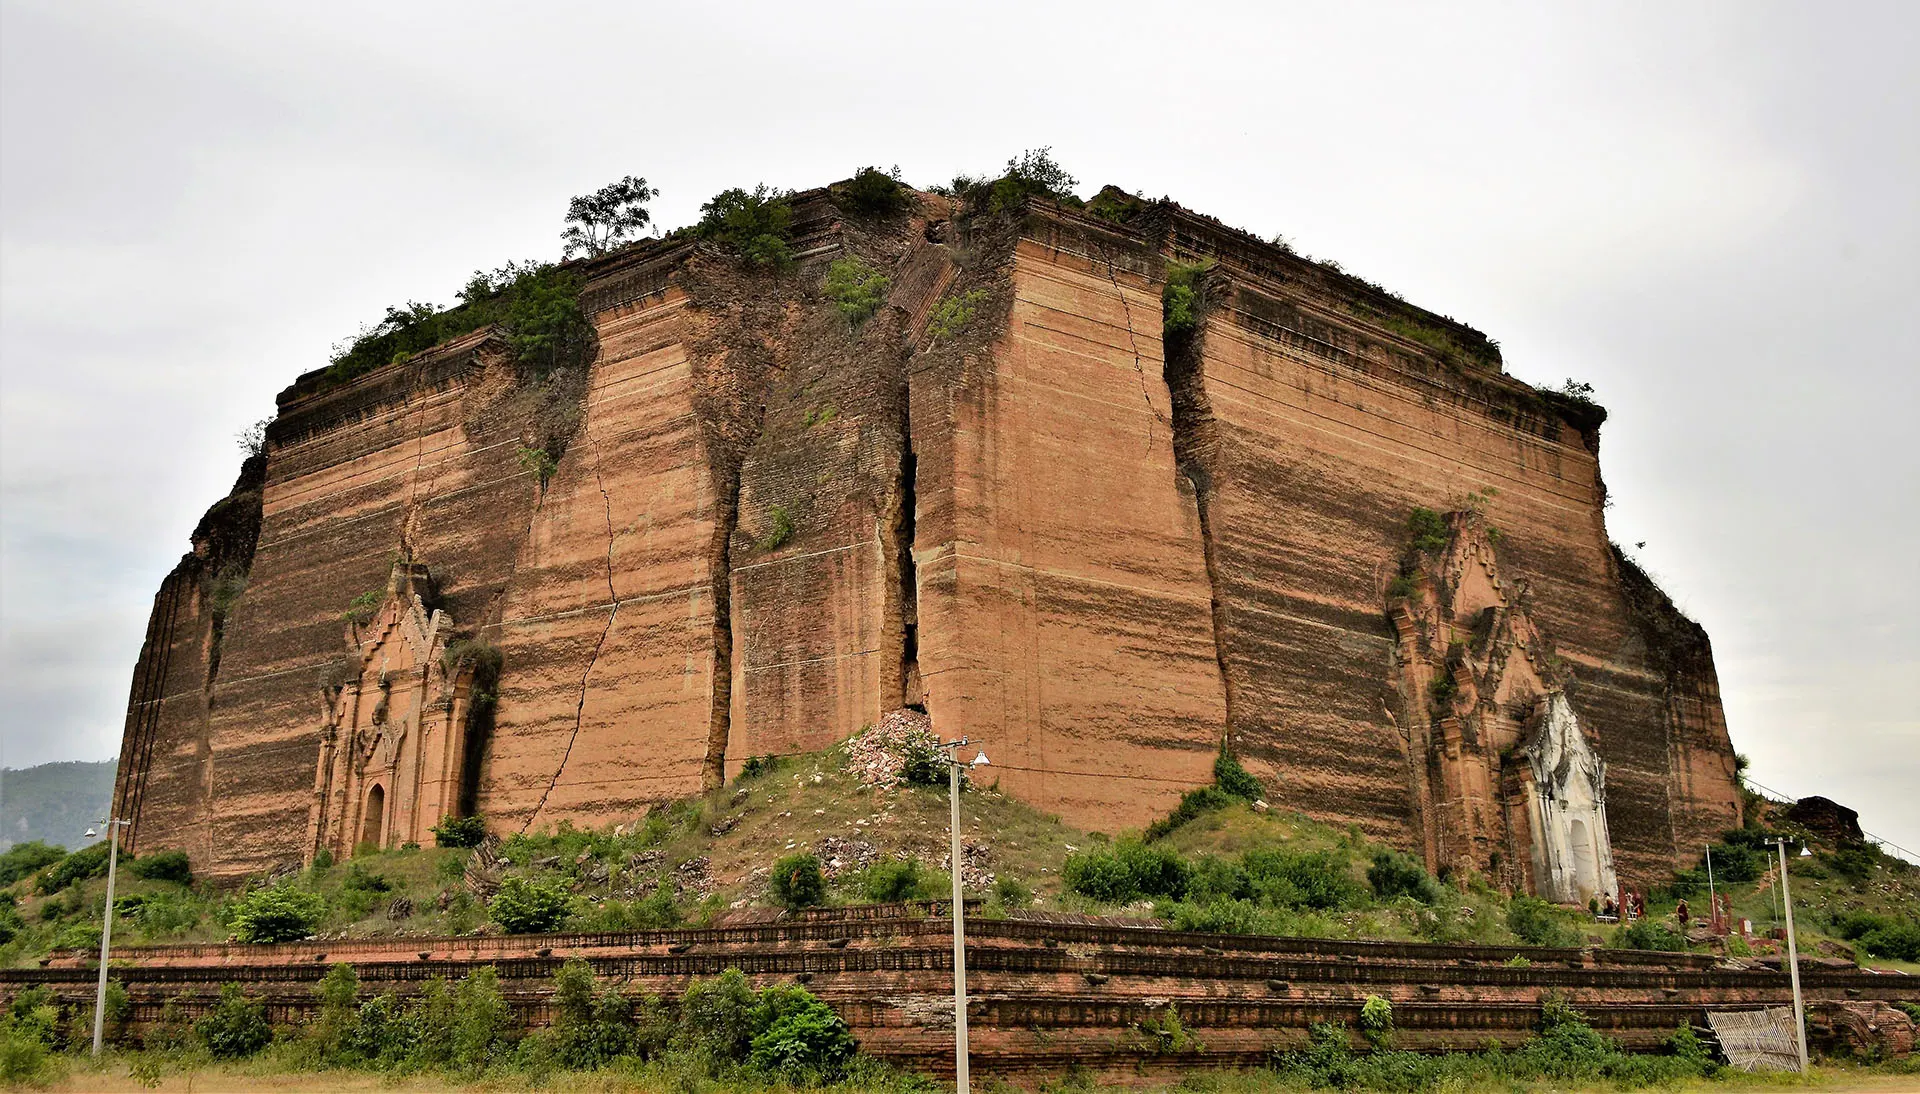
(610, 217)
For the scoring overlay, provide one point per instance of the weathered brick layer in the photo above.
(1095, 561)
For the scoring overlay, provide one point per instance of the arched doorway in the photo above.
(375, 817)
(1586, 867)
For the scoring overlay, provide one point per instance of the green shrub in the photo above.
(779, 528)
(338, 996)
(523, 906)
(856, 288)
(1212, 877)
(1125, 873)
(1376, 1022)
(78, 936)
(758, 225)
(717, 1016)
(482, 1021)
(23, 859)
(1232, 784)
(24, 1059)
(1427, 530)
(360, 609)
(1313, 879)
(1032, 173)
(873, 192)
(537, 306)
(798, 1036)
(163, 866)
(1194, 804)
(1235, 780)
(1899, 941)
(591, 1026)
(1012, 892)
(798, 882)
(236, 1026)
(460, 831)
(1649, 934)
(277, 913)
(382, 1032)
(954, 313)
(88, 862)
(1538, 923)
(537, 462)
(364, 880)
(33, 1014)
(899, 879)
(1180, 300)
(924, 762)
(1396, 874)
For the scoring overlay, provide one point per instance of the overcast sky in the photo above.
(1707, 211)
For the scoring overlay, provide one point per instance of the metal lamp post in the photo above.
(962, 1082)
(1793, 958)
(106, 927)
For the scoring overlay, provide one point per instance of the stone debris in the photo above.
(690, 879)
(399, 908)
(839, 855)
(974, 857)
(725, 825)
(878, 755)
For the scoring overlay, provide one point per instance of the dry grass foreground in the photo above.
(112, 1075)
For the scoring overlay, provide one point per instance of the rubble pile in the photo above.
(882, 755)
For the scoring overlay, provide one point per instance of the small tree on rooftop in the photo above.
(610, 217)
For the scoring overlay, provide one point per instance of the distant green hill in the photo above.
(54, 802)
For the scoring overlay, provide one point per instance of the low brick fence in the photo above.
(1044, 992)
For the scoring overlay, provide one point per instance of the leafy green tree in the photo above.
(1395, 874)
(460, 831)
(277, 913)
(610, 217)
(717, 1016)
(22, 859)
(236, 1026)
(529, 907)
(757, 225)
(800, 1036)
(856, 289)
(798, 882)
(873, 192)
(482, 1020)
(897, 879)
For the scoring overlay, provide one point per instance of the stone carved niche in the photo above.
(1504, 778)
(393, 746)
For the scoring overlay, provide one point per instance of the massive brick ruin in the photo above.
(1098, 550)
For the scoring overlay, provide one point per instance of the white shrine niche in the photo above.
(1567, 807)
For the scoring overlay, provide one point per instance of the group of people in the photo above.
(1635, 907)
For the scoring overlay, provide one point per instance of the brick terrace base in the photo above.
(1044, 991)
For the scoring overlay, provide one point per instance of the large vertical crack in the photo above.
(713, 767)
(903, 586)
(1196, 453)
(613, 612)
(1133, 342)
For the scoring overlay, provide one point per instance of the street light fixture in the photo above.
(106, 927)
(1793, 955)
(962, 1083)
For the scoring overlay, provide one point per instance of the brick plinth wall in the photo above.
(1044, 993)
